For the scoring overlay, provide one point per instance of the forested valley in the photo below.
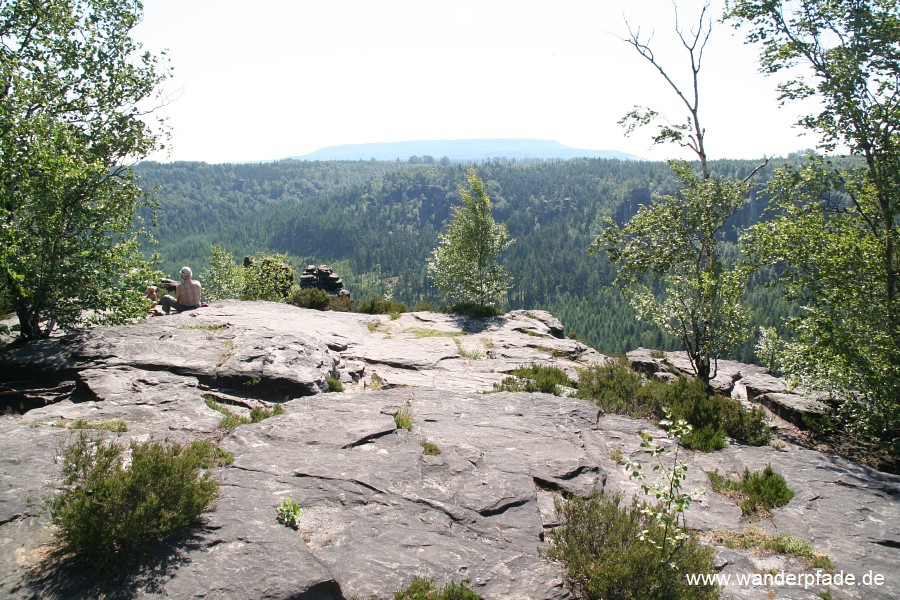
(377, 222)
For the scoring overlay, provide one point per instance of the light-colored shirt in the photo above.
(188, 293)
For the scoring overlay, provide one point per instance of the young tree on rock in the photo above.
(671, 264)
(72, 90)
(465, 266)
(833, 234)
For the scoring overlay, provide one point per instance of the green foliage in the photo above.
(114, 425)
(616, 388)
(474, 310)
(403, 419)
(258, 413)
(754, 538)
(613, 386)
(769, 348)
(429, 449)
(835, 227)
(758, 492)
(465, 266)
(425, 589)
(233, 419)
(289, 513)
(111, 515)
(69, 123)
(309, 298)
(847, 339)
(334, 384)
(267, 277)
(223, 279)
(748, 426)
(379, 305)
(672, 268)
(535, 378)
(668, 511)
(601, 545)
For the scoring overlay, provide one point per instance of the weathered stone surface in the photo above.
(377, 511)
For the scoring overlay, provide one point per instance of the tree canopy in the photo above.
(465, 266)
(833, 231)
(670, 257)
(72, 90)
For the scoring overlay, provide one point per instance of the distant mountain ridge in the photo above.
(461, 150)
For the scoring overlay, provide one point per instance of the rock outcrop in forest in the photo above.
(376, 510)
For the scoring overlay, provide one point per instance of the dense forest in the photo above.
(377, 222)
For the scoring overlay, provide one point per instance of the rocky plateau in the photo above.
(377, 511)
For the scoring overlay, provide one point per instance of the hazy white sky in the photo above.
(268, 79)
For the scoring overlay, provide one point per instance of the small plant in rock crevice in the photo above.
(403, 419)
(754, 538)
(289, 513)
(425, 589)
(114, 425)
(429, 449)
(232, 419)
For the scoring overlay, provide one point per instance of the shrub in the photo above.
(537, 378)
(616, 388)
(757, 492)
(426, 589)
(603, 554)
(472, 309)
(748, 426)
(110, 516)
(266, 277)
(340, 303)
(613, 387)
(313, 298)
(425, 306)
(705, 414)
(334, 384)
(378, 305)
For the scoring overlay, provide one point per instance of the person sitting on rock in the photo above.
(187, 294)
(150, 294)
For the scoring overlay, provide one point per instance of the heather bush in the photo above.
(313, 298)
(535, 378)
(757, 492)
(616, 388)
(110, 514)
(613, 386)
(604, 553)
(426, 589)
(379, 305)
